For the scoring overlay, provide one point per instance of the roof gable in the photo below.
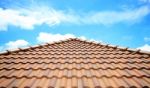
(74, 63)
(75, 43)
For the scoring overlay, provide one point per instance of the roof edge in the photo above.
(94, 42)
(119, 47)
(31, 47)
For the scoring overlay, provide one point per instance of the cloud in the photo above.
(29, 18)
(145, 1)
(112, 17)
(15, 18)
(147, 39)
(14, 44)
(146, 47)
(48, 37)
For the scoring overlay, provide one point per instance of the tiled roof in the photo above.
(74, 64)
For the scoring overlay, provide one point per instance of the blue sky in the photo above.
(118, 22)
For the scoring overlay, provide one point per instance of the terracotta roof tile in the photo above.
(74, 63)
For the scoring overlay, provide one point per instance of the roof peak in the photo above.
(75, 39)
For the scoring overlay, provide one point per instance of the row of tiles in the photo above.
(75, 50)
(47, 53)
(78, 50)
(50, 49)
(75, 66)
(75, 53)
(76, 82)
(79, 45)
(75, 44)
(36, 56)
(75, 73)
(73, 58)
(69, 46)
(75, 61)
(72, 47)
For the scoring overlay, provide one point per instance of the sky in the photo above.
(118, 22)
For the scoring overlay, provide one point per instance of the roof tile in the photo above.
(74, 64)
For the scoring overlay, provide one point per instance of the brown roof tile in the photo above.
(74, 63)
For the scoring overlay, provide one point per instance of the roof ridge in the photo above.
(32, 47)
(118, 47)
(79, 39)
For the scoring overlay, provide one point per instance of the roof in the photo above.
(75, 63)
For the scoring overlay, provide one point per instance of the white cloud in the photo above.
(112, 17)
(82, 37)
(28, 18)
(14, 44)
(48, 37)
(14, 17)
(146, 47)
(147, 39)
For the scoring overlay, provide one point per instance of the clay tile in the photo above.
(74, 63)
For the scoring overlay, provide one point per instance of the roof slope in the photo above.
(74, 63)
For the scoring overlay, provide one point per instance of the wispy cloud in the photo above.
(14, 44)
(112, 17)
(28, 18)
(147, 39)
(145, 1)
